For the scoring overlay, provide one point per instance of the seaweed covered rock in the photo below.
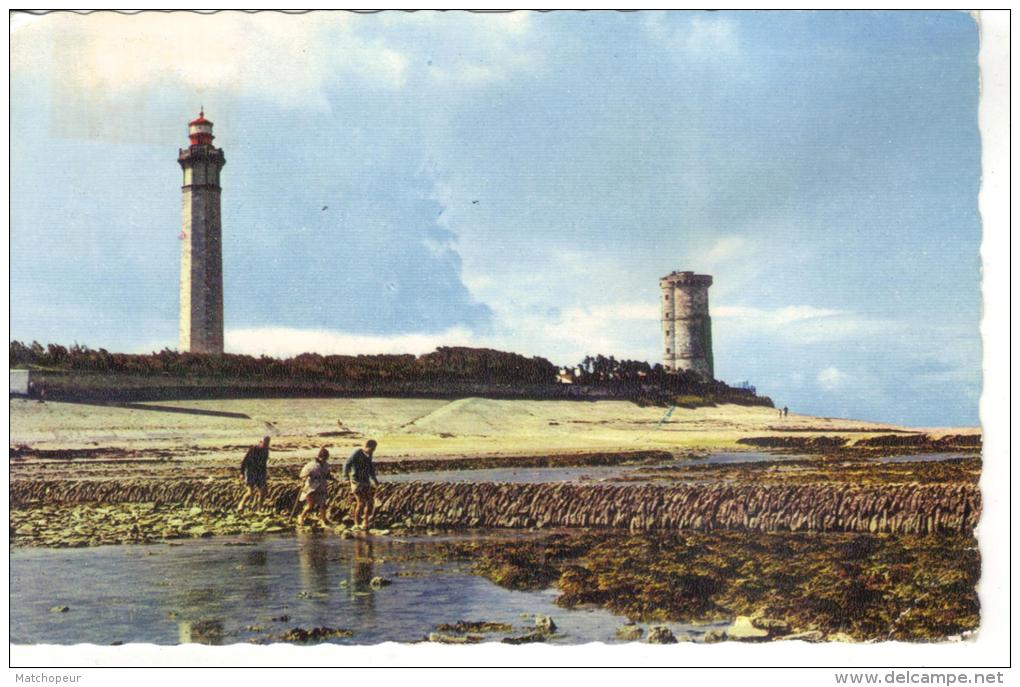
(890, 508)
(440, 638)
(743, 629)
(629, 633)
(660, 634)
(477, 626)
(545, 624)
(530, 638)
(315, 634)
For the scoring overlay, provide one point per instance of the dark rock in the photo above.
(773, 626)
(530, 638)
(545, 624)
(809, 636)
(440, 638)
(316, 634)
(466, 626)
(629, 633)
(380, 582)
(660, 634)
(822, 442)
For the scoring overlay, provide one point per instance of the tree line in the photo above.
(448, 369)
(455, 364)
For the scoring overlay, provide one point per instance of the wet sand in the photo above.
(94, 441)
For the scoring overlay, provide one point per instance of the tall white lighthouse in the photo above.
(201, 328)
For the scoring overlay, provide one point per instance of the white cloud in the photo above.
(701, 36)
(831, 378)
(723, 250)
(280, 57)
(710, 36)
(286, 59)
(799, 324)
(464, 49)
(615, 312)
(626, 330)
(778, 317)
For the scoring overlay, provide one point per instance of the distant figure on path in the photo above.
(253, 472)
(786, 411)
(315, 492)
(361, 472)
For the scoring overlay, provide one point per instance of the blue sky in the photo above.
(522, 181)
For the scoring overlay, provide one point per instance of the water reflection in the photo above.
(201, 596)
(200, 632)
(362, 572)
(218, 594)
(313, 561)
(254, 573)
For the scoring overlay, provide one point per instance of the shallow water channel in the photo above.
(583, 473)
(227, 590)
(924, 457)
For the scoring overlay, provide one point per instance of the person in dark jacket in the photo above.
(254, 474)
(361, 472)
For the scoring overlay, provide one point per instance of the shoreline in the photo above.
(816, 523)
(763, 587)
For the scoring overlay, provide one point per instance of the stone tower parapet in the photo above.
(686, 325)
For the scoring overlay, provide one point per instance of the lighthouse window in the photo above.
(668, 350)
(667, 296)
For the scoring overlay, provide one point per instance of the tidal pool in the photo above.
(229, 590)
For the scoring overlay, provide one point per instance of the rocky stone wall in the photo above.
(900, 509)
(686, 325)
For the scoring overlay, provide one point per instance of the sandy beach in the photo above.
(205, 433)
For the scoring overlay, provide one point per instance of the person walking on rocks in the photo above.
(315, 492)
(361, 472)
(253, 472)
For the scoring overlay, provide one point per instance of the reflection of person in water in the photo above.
(200, 632)
(313, 557)
(362, 572)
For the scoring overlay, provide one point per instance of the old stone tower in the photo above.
(201, 329)
(686, 326)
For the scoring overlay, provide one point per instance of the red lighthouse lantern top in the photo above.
(200, 130)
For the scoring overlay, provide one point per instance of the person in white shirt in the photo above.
(315, 492)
